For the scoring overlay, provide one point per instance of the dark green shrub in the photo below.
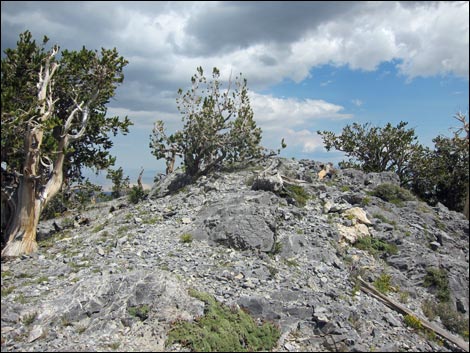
(277, 248)
(393, 193)
(223, 329)
(437, 280)
(450, 318)
(376, 246)
(297, 193)
(140, 311)
(136, 194)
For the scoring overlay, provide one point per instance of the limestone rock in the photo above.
(249, 249)
(268, 182)
(36, 332)
(358, 214)
(375, 179)
(351, 234)
(241, 223)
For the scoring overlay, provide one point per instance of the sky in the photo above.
(309, 65)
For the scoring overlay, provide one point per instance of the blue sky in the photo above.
(310, 65)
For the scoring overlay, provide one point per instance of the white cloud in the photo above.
(145, 119)
(172, 40)
(292, 111)
(166, 41)
(435, 40)
(291, 119)
(307, 140)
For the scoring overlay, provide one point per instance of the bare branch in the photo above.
(44, 85)
(84, 123)
(463, 119)
(68, 122)
(49, 166)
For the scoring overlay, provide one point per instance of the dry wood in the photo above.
(365, 287)
(292, 181)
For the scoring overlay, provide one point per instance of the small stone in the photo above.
(392, 320)
(35, 333)
(435, 245)
(290, 347)
(122, 240)
(185, 220)
(249, 284)
(239, 276)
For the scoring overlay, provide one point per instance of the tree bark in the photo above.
(465, 209)
(139, 180)
(22, 229)
(170, 163)
(32, 195)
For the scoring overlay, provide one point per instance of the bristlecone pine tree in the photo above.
(218, 127)
(438, 175)
(375, 149)
(53, 124)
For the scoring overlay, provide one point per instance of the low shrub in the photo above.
(186, 238)
(140, 311)
(297, 193)
(136, 194)
(393, 193)
(383, 283)
(436, 279)
(223, 329)
(376, 246)
(413, 322)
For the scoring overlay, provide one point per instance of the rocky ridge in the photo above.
(255, 249)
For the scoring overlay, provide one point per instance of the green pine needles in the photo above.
(218, 127)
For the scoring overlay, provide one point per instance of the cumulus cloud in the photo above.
(238, 25)
(309, 141)
(165, 42)
(268, 42)
(292, 119)
(292, 111)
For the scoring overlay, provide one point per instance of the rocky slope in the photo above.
(263, 251)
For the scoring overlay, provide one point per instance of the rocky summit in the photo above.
(348, 262)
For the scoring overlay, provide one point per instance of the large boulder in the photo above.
(268, 182)
(240, 222)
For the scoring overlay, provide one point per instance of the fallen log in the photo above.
(365, 287)
(292, 181)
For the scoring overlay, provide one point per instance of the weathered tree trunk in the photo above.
(32, 197)
(36, 189)
(465, 209)
(139, 180)
(29, 201)
(170, 163)
(22, 229)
